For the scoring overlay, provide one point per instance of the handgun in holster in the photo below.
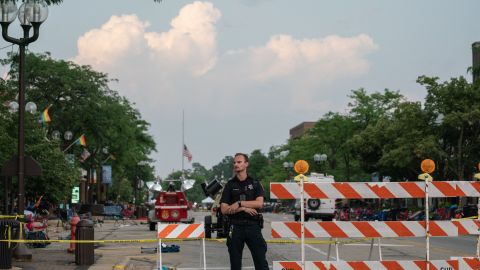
(260, 221)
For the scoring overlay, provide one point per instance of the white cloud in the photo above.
(190, 44)
(284, 81)
(317, 59)
(102, 48)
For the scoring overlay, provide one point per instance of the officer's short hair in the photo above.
(245, 156)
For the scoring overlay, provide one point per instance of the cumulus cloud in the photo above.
(191, 41)
(103, 47)
(324, 59)
(189, 47)
(190, 44)
(282, 82)
(302, 69)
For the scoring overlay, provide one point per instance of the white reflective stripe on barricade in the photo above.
(367, 265)
(375, 190)
(180, 231)
(467, 226)
(468, 263)
(360, 229)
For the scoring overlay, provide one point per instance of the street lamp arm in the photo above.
(36, 32)
(26, 29)
(6, 36)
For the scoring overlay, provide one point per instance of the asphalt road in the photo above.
(190, 255)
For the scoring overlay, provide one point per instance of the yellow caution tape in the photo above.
(15, 216)
(472, 217)
(84, 241)
(272, 241)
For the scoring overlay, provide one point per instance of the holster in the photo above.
(256, 220)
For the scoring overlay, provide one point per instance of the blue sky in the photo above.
(247, 71)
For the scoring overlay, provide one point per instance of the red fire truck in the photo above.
(171, 206)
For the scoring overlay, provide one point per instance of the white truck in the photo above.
(323, 209)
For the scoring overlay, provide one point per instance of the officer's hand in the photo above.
(234, 206)
(250, 211)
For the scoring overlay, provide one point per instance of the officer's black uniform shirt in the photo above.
(236, 190)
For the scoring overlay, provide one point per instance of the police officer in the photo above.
(241, 200)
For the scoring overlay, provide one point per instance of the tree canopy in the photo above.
(78, 100)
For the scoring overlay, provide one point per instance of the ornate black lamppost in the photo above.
(31, 13)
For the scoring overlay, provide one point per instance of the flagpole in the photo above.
(183, 142)
(68, 147)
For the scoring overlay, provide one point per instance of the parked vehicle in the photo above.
(323, 209)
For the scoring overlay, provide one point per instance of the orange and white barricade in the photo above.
(180, 231)
(376, 229)
(375, 190)
(454, 264)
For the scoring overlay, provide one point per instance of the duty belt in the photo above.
(244, 222)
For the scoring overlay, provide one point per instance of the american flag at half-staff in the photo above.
(186, 153)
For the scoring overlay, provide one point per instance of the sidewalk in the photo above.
(56, 257)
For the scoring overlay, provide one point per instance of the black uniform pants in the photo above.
(252, 236)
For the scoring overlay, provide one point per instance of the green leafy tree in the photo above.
(80, 101)
(370, 114)
(224, 169)
(367, 109)
(256, 162)
(454, 104)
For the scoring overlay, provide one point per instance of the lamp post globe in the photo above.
(68, 135)
(56, 135)
(8, 11)
(13, 106)
(31, 107)
(33, 11)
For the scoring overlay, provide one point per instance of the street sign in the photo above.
(75, 194)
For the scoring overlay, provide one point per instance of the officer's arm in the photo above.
(225, 208)
(226, 197)
(256, 204)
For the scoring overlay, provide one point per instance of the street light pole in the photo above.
(288, 167)
(30, 13)
(319, 159)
